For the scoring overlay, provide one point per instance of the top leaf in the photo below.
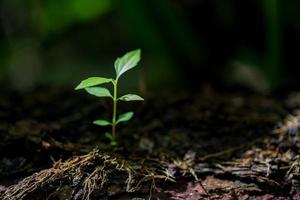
(127, 62)
(92, 81)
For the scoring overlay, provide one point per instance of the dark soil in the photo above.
(212, 146)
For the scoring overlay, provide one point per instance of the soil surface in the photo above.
(213, 146)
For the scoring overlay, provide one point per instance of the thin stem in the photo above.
(115, 83)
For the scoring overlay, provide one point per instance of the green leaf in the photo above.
(113, 143)
(98, 91)
(125, 117)
(131, 97)
(101, 122)
(109, 136)
(127, 62)
(92, 81)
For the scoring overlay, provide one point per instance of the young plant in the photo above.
(91, 86)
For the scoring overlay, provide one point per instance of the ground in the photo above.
(232, 145)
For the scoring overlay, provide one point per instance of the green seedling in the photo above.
(91, 86)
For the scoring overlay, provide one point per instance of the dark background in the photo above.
(186, 44)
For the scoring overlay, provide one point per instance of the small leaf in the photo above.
(127, 62)
(125, 117)
(92, 81)
(131, 97)
(101, 122)
(98, 91)
(109, 136)
(113, 143)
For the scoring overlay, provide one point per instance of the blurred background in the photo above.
(186, 44)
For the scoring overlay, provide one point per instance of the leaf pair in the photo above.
(122, 118)
(90, 85)
(103, 92)
(113, 141)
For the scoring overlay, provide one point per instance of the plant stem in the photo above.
(115, 83)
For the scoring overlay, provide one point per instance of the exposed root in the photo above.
(294, 169)
(85, 175)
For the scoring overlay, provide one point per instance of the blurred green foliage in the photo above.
(59, 15)
(273, 42)
(199, 42)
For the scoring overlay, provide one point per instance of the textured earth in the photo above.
(190, 146)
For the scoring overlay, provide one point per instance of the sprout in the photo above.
(91, 86)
